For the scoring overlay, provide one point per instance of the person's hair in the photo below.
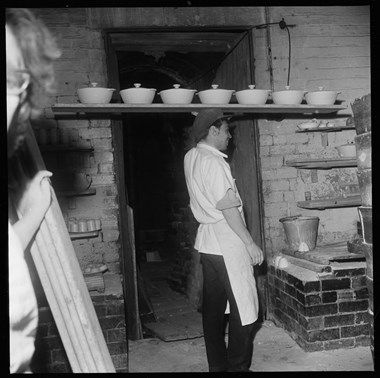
(192, 140)
(39, 50)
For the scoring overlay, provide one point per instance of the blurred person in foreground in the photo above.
(227, 251)
(30, 52)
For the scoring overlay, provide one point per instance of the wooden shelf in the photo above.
(322, 163)
(165, 108)
(326, 129)
(331, 203)
(63, 148)
(84, 235)
(74, 193)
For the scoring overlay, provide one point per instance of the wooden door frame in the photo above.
(128, 260)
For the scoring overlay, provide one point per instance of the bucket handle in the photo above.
(289, 218)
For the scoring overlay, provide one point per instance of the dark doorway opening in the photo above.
(154, 148)
(158, 59)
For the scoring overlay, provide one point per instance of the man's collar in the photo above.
(211, 148)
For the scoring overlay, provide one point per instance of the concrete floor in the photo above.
(274, 350)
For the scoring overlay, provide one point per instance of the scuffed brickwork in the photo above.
(50, 356)
(326, 313)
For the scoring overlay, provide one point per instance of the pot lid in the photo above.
(287, 88)
(251, 87)
(137, 86)
(215, 87)
(95, 85)
(177, 87)
(322, 89)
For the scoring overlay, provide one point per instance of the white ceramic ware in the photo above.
(138, 95)
(81, 181)
(177, 95)
(288, 96)
(95, 94)
(215, 96)
(321, 97)
(312, 124)
(326, 124)
(82, 225)
(347, 150)
(252, 96)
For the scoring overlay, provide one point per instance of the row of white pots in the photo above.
(215, 95)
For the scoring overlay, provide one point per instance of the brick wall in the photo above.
(321, 313)
(82, 61)
(50, 355)
(330, 48)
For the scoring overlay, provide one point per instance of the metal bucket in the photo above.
(301, 229)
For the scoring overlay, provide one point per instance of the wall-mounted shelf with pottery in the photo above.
(72, 184)
(323, 204)
(326, 129)
(75, 193)
(322, 163)
(169, 108)
(64, 148)
(84, 235)
(84, 228)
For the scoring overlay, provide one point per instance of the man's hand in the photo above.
(33, 204)
(37, 195)
(255, 253)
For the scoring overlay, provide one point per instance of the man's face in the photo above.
(222, 137)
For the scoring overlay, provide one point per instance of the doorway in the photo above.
(152, 145)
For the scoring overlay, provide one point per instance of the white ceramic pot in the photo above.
(321, 97)
(95, 94)
(347, 150)
(215, 95)
(252, 96)
(288, 96)
(177, 95)
(138, 95)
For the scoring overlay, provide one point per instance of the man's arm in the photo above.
(235, 221)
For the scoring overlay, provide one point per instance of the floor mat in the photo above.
(177, 319)
(177, 327)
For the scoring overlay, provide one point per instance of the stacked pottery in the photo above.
(362, 118)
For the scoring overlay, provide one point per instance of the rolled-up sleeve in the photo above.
(228, 201)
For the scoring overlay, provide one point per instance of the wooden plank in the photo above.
(65, 289)
(331, 203)
(327, 253)
(138, 334)
(326, 129)
(63, 147)
(307, 264)
(166, 108)
(322, 163)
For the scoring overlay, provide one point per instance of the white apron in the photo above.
(240, 272)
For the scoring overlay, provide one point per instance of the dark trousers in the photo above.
(216, 291)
